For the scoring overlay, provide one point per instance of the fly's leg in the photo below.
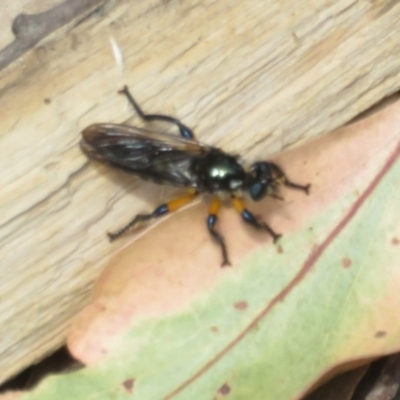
(185, 132)
(161, 210)
(248, 217)
(211, 220)
(279, 174)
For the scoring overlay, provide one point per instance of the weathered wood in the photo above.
(250, 76)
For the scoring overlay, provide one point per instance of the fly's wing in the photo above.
(160, 157)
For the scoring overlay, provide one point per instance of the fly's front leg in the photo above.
(186, 132)
(211, 220)
(279, 174)
(160, 211)
(248, 217)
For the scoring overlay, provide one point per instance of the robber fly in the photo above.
(182, 161)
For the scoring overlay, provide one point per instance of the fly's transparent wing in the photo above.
(156, 156)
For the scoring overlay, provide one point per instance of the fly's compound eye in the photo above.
(257, 190)
(262, 178)
(262, 170)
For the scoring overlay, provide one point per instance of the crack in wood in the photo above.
(29, 29)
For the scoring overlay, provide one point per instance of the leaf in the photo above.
(166, 322)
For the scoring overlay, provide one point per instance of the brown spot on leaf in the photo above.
(128, 384)
(241, 305)
(395, 241)
(224, 389)
(380, 334)
(214, 329)
(279, 249)
(47, 100)
(346, 262)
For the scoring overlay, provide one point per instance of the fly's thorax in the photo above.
(219, 172)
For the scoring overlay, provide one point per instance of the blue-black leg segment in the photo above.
(253, 221)
(211, 220)
(158, 212)
(161, 210)
(185, 132)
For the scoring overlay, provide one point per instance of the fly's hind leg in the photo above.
(248, 217)
(185, 132)
(161, 210)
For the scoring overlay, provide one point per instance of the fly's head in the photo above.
(265, 179)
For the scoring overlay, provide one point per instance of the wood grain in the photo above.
(252, 77)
